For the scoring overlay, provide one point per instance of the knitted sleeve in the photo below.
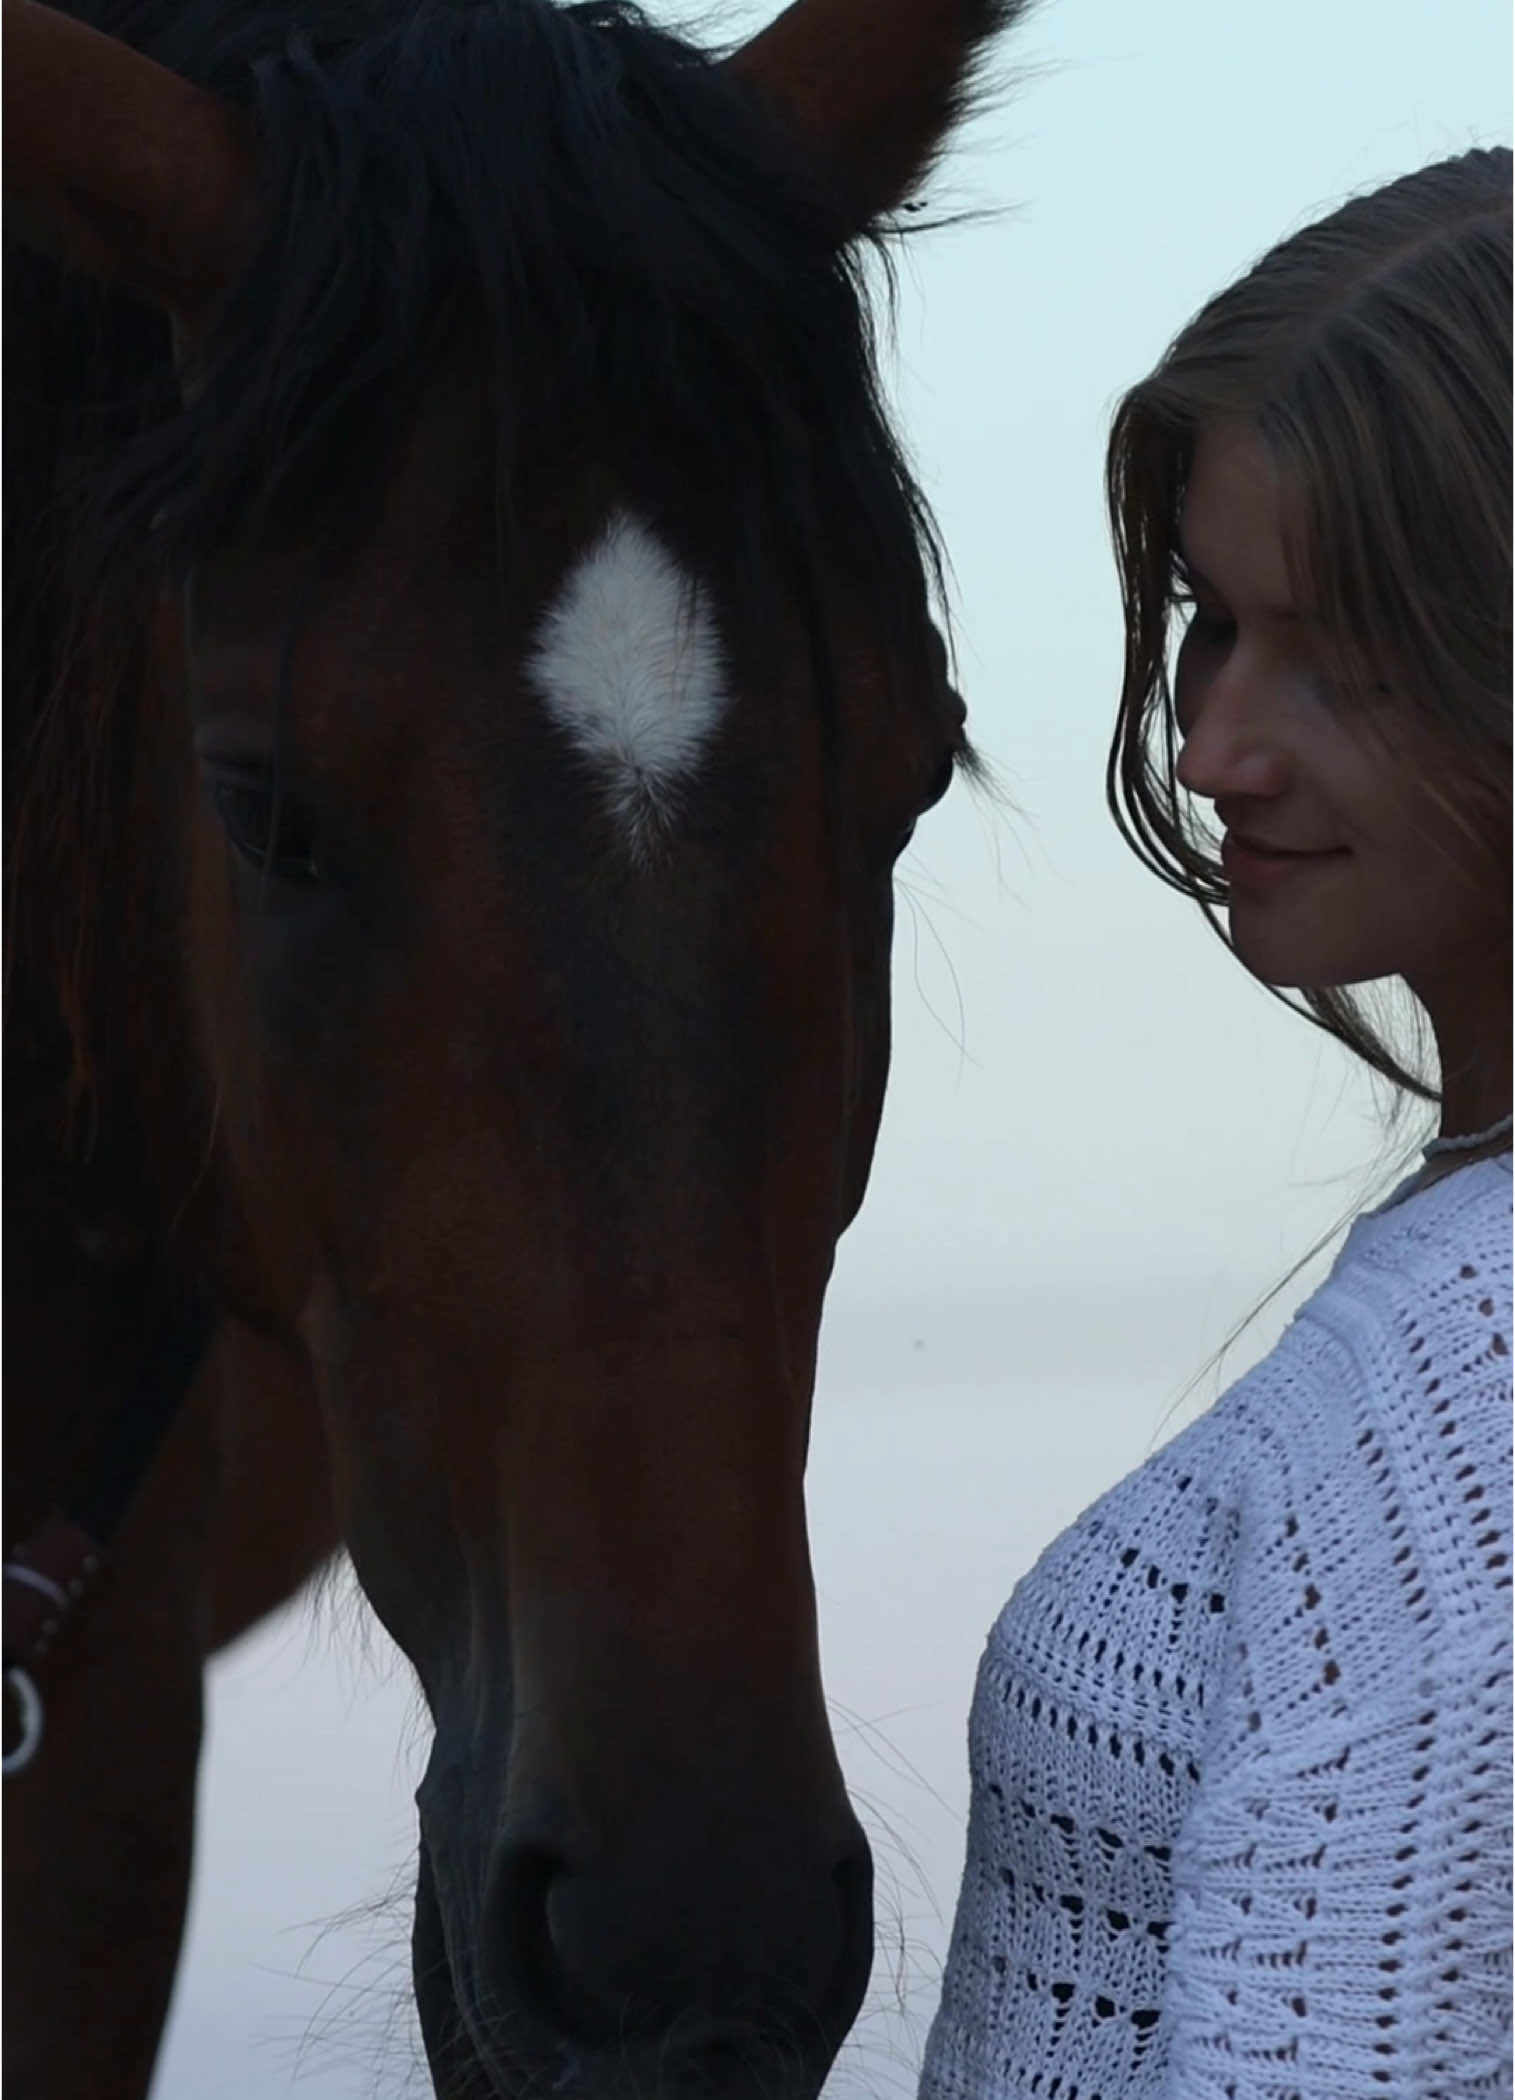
(1342, 1898)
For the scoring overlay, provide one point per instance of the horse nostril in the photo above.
(518, 1921)
(545, 1964)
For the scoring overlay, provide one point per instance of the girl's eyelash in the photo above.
(1181, 591)
(1182, 597)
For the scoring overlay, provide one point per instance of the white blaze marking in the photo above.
(628, 661)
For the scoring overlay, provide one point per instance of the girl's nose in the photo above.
(1231, 745)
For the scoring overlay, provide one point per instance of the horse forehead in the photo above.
(629, 663)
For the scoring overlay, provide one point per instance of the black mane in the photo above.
(604, 199)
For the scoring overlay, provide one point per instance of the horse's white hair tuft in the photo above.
(628, 661)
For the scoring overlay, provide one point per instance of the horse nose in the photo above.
(691, 1945)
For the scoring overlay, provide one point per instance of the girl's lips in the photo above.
(1251, 865)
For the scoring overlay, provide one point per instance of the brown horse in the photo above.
(470, 675)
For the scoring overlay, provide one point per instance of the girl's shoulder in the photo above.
(1466, 1215)
(1380, 1421)
(1412, 1326)
(1419, 1299)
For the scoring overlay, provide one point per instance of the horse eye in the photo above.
(266, 827)
(941, 780)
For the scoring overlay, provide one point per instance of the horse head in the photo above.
(536, 685)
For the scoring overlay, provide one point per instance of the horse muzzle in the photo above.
(705, 1958)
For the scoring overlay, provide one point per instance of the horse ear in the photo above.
(121, 168)
(873, 87)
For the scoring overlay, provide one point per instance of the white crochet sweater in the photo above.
(1241, 1742)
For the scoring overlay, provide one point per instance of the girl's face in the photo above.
(1341, 866)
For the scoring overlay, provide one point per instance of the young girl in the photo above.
(1241, 1741)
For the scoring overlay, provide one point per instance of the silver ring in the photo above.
(29, 1699)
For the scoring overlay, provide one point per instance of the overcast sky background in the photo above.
(1102, 1144)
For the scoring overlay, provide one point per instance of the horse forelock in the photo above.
(595, 201)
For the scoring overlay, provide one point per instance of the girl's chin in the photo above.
(1304, 966)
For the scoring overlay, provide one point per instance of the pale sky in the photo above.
(1102, 1145)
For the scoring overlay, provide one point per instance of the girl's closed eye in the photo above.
(1207, 617)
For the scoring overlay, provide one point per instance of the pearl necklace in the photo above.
(1471, 1143)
